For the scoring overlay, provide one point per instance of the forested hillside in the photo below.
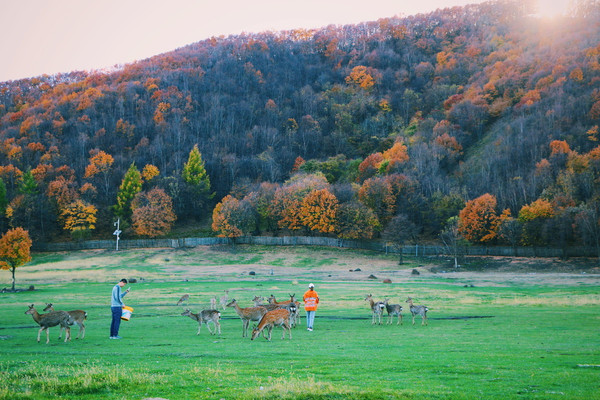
(384, 129)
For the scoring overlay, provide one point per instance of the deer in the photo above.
(79, 316)
(183, 299)
(417, 310)
(213, 303)
(279, 317)
(205, 316)
(393, 309)
(224, 299)
(247, 314)
(376, 308)
(49, 320)
(258, 301)
(294, 312)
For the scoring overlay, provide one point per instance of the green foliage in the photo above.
(198, 182)
(130, 186)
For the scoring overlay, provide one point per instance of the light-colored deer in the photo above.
(417, 310)
(247, 314)
(258, 301)
(79, 316)
(49, 320)
(213, 303)
(278, 317)
(224, 299)
(376, 308)
(393, 309)
(205, 316)
(183, 299)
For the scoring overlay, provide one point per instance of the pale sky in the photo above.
(50, 36)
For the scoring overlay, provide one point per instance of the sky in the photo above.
(51, 36)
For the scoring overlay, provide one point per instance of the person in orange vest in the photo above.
(311, 301)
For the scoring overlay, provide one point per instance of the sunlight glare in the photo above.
(552, 8)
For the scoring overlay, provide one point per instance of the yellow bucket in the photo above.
(126, 314)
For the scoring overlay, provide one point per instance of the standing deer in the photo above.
(393, 309)
(205, 316)
(79, 316)
(247, 314)
(258, 301)
(294, 311)
(49, 320)
(279, 317)
(224, 299)
(376, 308)
(417, 310)
(213, 303)
(183, 299)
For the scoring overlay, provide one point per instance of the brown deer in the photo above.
(418, 310)
(294, 311)
(393, 309)
(79, 316)
(376, 308)
(205, 316)
(183, 299)
(247, 314)
(279, 317)
(49, 320)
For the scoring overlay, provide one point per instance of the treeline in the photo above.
(401, 122)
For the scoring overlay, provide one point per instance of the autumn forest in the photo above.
(476, 123)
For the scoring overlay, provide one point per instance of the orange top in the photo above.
(311, 299)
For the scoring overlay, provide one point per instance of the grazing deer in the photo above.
(49, 320)
(294, 313)
(79, 316)
(224, 299)
(205, 316)
(376, 308)
(279, 317)
(183, 299)
(417, 310)
(393, 309)
(247, 314)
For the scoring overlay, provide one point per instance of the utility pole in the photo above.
(117, 232)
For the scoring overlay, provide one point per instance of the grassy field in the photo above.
(491, 335)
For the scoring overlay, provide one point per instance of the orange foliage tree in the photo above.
(15, 250)
(79, 218)
(534, 216)
(318, 211)
(478, 221)
(233, 218)
(361, 76)
(378, 194)
(100, 164)
(153, 213)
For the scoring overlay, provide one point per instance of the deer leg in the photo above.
(199, 326)
(47, 335)
(245, 323)
(81, 331)
(67, 334)
(218, 324)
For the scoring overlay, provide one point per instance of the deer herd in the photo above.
(285, 314)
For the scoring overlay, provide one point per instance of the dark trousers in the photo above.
(116, 321)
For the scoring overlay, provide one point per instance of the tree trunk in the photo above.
(13, 278)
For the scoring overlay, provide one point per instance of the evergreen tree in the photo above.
(197, 183)
(130, 186)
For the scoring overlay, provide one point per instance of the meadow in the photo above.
(491, 334)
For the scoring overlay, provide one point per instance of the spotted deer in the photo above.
(376, 309)
(417, 310)
(393, 309)
(205, 316)
(278, 317)
(49, 320)
(247, 314)
(79, 316)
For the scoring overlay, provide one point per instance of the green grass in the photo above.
(535, 342)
